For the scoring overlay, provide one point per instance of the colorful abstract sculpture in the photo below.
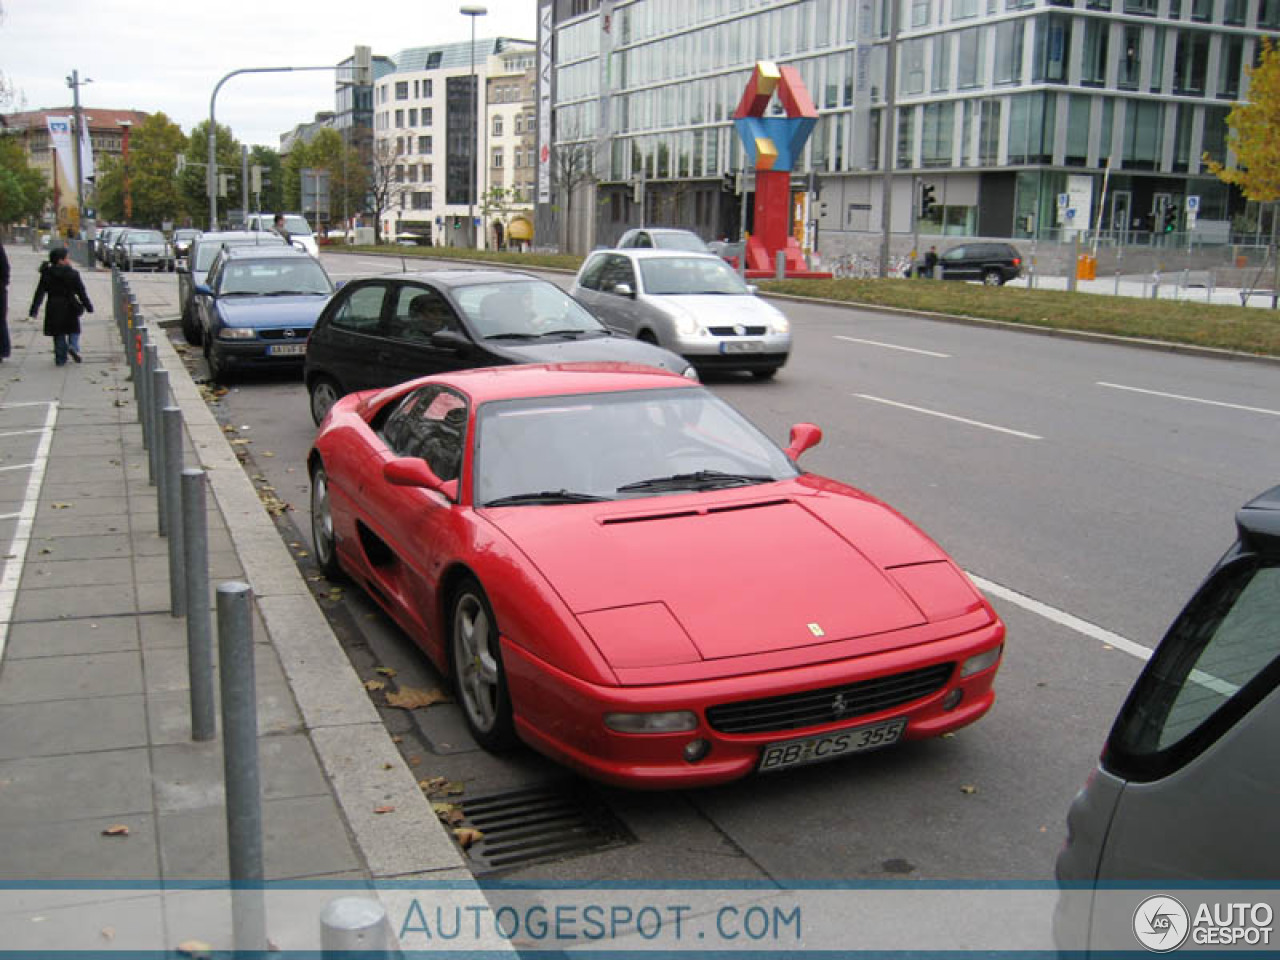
(772, 146)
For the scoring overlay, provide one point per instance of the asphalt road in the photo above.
(1087, 487)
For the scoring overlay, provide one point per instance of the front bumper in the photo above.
(257, 353)
(735, 352)
(563, 716)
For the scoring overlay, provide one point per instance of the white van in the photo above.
(300, 232)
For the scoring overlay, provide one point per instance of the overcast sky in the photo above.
(167, 55)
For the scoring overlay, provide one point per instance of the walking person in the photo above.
(60, 282)
(4, 304)
(278, 226)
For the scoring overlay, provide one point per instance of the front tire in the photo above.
(325, 392)
(478, 675)
(217, 369)
(767, 374)
(190, 329)
(992, 278)
(323, 541)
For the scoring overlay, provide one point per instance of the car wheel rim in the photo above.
(992, 280)
(475, 662)
(321, 517)
(323, 396)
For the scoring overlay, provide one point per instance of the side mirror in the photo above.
(414, 472)
(804, 436)
(449, 340)
(204, 289)
(623, 290)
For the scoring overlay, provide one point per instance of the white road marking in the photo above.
(1178, 396)
(1093, 631)
(20, 433)
(22, 534)
(894, 346)
(18, 466)
(949, 416)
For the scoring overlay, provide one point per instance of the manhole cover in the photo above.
(537, 824)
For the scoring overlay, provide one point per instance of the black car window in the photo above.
(1221, 657)
(430, 424)
(420, 312)
(643, 241)
(955, 253)
(361, 310)
(590, 279)
(617, 270)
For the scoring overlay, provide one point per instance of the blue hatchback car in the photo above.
(258, 306)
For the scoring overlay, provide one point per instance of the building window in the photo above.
(1269, 14)
(399, 118)
(426, 116)
(413, 173)
(402, 89)
(415, 89)
(1093, 72)
(1229, 68)
(426, 173)
(1142, 8)
(963, 9)
(426, 87)
(424, 145)
(1144, 134)
(941, 64)
(920, 12)
(399, 173)
(1053, 50)
(413, 116)
(497, 126)
(497, 157)
(937, 134)
(1190, 59)
(1008, 65)
(912, 73)
(1130, 59)
(1202, 10)
(1031, 127)
(969, 57)
(421, 200)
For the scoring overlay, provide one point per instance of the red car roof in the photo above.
(557, 379)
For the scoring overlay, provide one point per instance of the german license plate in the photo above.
(796, 753)
(742, 346)
(287, 349)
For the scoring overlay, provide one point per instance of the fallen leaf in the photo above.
(397, 739)
(384, 809)
(267, 453)
(60, 506)
(466, 836)
(44, 550)
(441, 787)
(374, 685)
(388, 766)
(415, 761)
(968, 788)
(410, 698)
(450, 813)
(949, 735)
(195, 948)
(108, 933)
(116, 830)
(386, 671)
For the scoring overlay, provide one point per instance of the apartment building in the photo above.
(436, 115)
(1012, 111)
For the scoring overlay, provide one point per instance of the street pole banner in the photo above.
(86, 154)
(460, 918)
(64, 169)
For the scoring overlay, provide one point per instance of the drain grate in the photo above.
(537, 824)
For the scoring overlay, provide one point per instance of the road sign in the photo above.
(1064, 201)
(1193, 204)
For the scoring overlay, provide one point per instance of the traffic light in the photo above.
(255, 179)
(1170, 218)
(729, 182)
(927, 202)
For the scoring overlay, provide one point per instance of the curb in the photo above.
(364, 767)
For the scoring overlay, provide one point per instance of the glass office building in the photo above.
(1011, 110)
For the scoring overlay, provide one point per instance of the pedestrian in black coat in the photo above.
(67, 300)
(4, 304)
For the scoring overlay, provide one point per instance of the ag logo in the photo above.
(1161, 923)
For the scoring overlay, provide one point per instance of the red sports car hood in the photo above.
(741, 572)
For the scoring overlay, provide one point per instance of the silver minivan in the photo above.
(1187, 785)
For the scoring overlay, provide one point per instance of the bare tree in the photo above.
(386, 189)
(572, 168)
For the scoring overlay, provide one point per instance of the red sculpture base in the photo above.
(773, 229)
(762, 266)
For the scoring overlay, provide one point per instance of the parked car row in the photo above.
(131, 248)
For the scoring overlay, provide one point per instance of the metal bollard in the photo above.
(240, 763)
(1155, 286)
(1117, 290)
(195, 568)
(780, 265)
(142, 378)
(171, 418)
(353, 923)
(155, 401)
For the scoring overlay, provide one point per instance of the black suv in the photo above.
(994, 264)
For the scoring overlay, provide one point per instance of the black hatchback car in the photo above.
(384, 330)
(994, 264)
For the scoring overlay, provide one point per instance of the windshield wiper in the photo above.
(546, 496)
(699, 478)
(296, 293)
(512, 336)
(574, 332)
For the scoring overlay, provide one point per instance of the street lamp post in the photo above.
(75, 83)
(473, 12)
(211, 181)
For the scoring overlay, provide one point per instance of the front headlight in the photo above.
(781, 324)
(690, 373)
(674, 721)
(686, 326)
(237, 333)
(982, 661)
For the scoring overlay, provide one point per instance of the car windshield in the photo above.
(209, 247)
(679, 241)
(689, 275)
(145, 236)
(296, 225)
(185, 234)
(299, 275)
(523, 308)
(611, 446)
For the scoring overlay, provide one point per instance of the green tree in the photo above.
(192, 178)
(149, 180)
(348, 179)
(22, 190)
(1255, 132)
(272, 196)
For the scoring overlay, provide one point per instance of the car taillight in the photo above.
(1017, 261)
